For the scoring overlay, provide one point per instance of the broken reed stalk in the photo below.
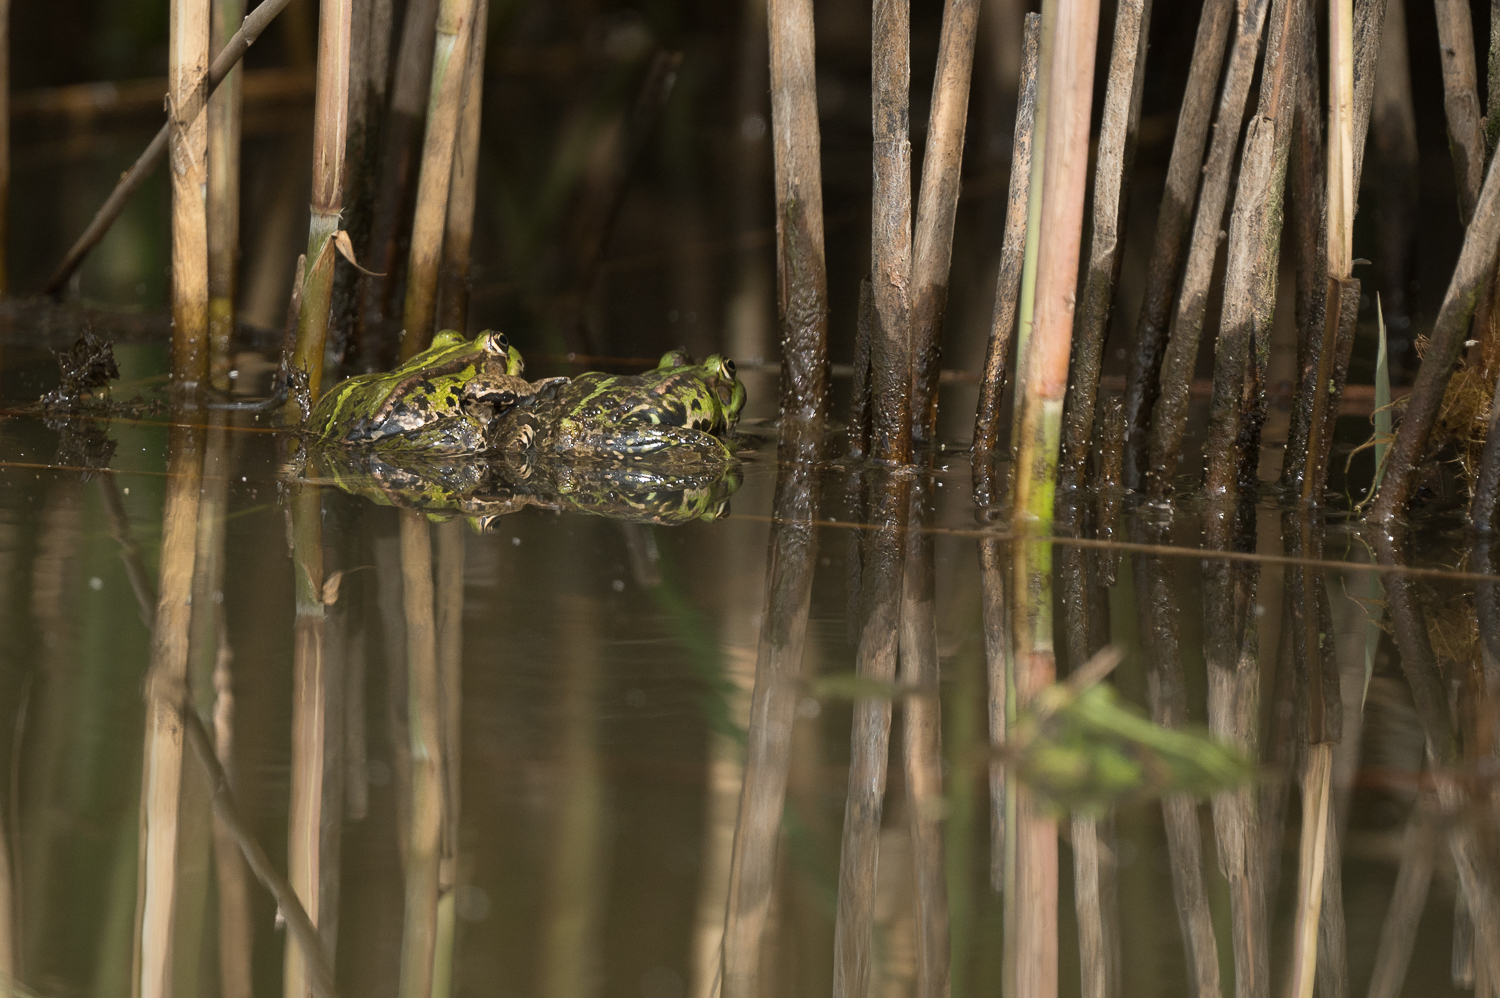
(223, 197)
(932, 253)
(1476, 263)
(450, 54)
(458, 233)
(424, 720)
(255, 23)
(1174, 222)
(1069, 98)
(773, 706)
(1253, 261)
(401, 153)
(1116, 156)
(187, 64)
(1461, 101)
(1169, 418)
(330, 124)
(890, 235)
(1311, 856)
(299, 926)
(166, 699)
(1012, 250)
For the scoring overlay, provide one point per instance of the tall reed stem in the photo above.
(450, 56)
(186, 95)
(1461, 101)
(933, 252)
(453, 302)
(4, 143)
(331, 120)
(223, 197)
(802, 275)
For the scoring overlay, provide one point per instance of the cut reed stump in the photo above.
(802, 276)
(187, 95)
(223, 197)
(444, 114)
(330, 120)
(1116, 156)
(932, 254)
(1174, 221)
(255, 23)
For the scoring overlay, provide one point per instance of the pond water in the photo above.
(591, 684)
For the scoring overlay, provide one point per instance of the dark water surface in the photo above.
(605, 674)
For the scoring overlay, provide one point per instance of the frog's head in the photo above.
(728, 389)
(673, 359)
(496, 345)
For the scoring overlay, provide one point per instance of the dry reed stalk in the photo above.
(1312, 854)
(455, 33)
(1341, 312)
(166, 697)
(1398, 933)
(1012, 251)
(187, 63)
(773, 706)
(458, 233)
(1476, 262)
(883, 558)
(1174, 223)
(1026, 301)
(859, 394)
(390, 224)
(1461, 102)
(1112, 171)
(4, 147)
(425, 723)
(921, 729)
(223, 197)
(1253, 262)
(236, 931)
(255, 22)
(312, 691)
(932, 251)
(802, 275)
(1169, 418)
(330, 129)
(299, 926)
(1394, 135)
(890, 235)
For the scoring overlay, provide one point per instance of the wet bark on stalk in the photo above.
(1111, 489)
(453, 302)
(390, 225)
(1461, 102)
(890, 236)
(932, 254)
(1476, 262)
(142, 168)
(1013, 248)
(1333, 371)
(859, 401)
(223, 197)
(1169, 418)
(879, 639)
(1309, 250)
(1174, 221)
(802, 276)
(793, 556)
(1253, 261)
(1115, 157)
(1486, 500)
(444, 112)
(187, 95)
(994, 569)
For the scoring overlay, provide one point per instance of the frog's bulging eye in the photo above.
(729, 368)
(494, 343)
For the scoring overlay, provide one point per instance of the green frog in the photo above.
(678, 414)
(442, 401)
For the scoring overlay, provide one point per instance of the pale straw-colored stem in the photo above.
(223, 197)
(453, 302)
(187, 66)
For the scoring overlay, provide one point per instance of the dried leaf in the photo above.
(346, 250)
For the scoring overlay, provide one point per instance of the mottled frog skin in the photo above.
(442, 401)
(678, 414)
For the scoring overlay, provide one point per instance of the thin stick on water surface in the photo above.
(187, 96)
(1169, 418)
(255, 23)
(444, 113)
(1117, 140)
(458, 234)
(932, 253)
(1012, 250)
(224, 108)
(1174, 222)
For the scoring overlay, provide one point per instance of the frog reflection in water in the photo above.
(644, 447)
(442, 401)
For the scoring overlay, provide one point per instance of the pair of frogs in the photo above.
(457, 427)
